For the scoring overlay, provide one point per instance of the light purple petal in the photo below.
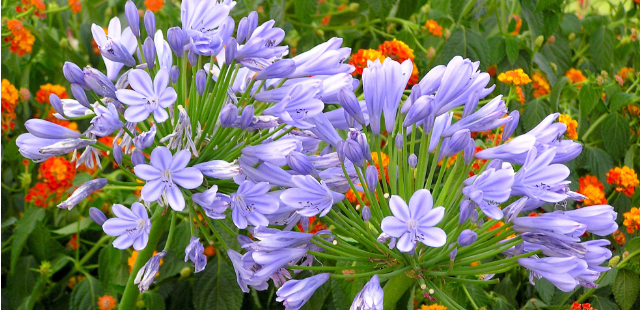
(160, 115)
(123, 242)
(180, 160)
(152, 190)
(399, 208)
(420, 203)
(117, 226)
(147, 172)
(393, 227)
(123, 212)
(168, 97)
(406, 243)
(139, 210)
(188, 178)
(141, 242)
(432, 236)
(432, 218)
(161, 158)
(160, 81)
(136, 114)
(175, 198)
(130, 97)
(140, 81)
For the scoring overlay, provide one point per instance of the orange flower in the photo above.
(75, 280)
(633, 110)
(132, 260)
(352, 197)
(58, 172)
(516, 31)
(515, 77)
(624, 72)
(619, 237)
(540, 85)
(399, 51)
(38, 6)
(75, 6)
(359, 59)
(632, 220)
(433, 28)
(450, 161)
(593, 189)
(42, 95)
(498, 225)
(572, 126)
(106, 302)
(21, 39)
(585, 306)
(492, 70)
(325, 20)
(433, 307)
(154, 5)
(73, 242)
(520, 94)
(385, 163)
(625, 179)
(575, 76)
(9, 102)
(42, 195)
(209, 251)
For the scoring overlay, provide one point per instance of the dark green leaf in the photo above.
(570, 24)
(601, 47)
(497, 49)
(216, 288)
(73, 227)
(534, 112)
(478, 295)
(468, 44)
(113, 267)
(25, 226)
(601, 303)
(379, 8)
(304, 9)
(545, 290)
(608, 277)
(85, 295)
(633, 244)
(630, 156)
(543, 63)
(599, 162)
(617, 131)
(153, 301)
(317, 299)
(554, 97)
(343, 292)
(512, 49)
(625, 288)
(588, 99)
(618, 101)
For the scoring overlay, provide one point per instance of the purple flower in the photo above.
(310, 196)
(201, 17)
(250, 203)
(46, 139)
(195, 252)
(219, 169)
(147, 97)
(149, 23)
(213, 203)
(273, 152)
(97, 216)
(295, 293)
(73, 74)
(370, 297)
(149, 52)
(82, 192)
(68, 107)
(296, 107)
(488, 117)
(299, 163)
(132, 226)
(163, 51)
(147, 274)
(564, 272)
(165, 173)
(597, 253)
(261, 47)
(551, 224)
(116, 48)
(244, 268)
(489, 189)
(539, 179)
(467, 237)
(272, 262)
(145, 139)
(246, 26)
(415, 222)
(600, 219)
(455, 84)
(106, 121)
(272, 239)
(324, 59)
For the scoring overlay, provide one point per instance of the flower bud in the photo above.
(137, 158)
(79, 94)
(175, 74)
(117, 152)
(359, 137)
(447, 34)
(56, 103)
(99, 83)
(466, 206)
(467, 237)
(304, 222)
(106, 121)
(149, 52)
(383, 238)
(353, 6)
(469, 151)
(510, 126)
(431, 52)
(474, 216)
(230, 51)
(228, 115)
(539, 40)
(398, 141)
(340, 151)
(413, 161)
(175, 36)
(246, 117)
(551, 40)
(73, 74)
(422, 107)
(279, 69)
(614, 261)
(97, 216)
(150, 23)
(131, 12)
(246, 26)
(571, 37)
(471, 105)
(83, 192)
(353, 152)
(201, 81)
(45, 268)
(193, 58)
(458, 142)
(372, 178)
(350, 103)
(301, 164)
(453, 254)
(479, 223)
(366, 214)
(185, 272)
(145, 139)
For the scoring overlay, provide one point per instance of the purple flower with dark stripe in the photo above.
(147, 97)
(132, 226)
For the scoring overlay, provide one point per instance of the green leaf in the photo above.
(588, 98)
(478, 295)
(216, 288)
(534, 112)
(277, 12)
(543, 63)
(497, 52)
(625, 288)
(599, 162)
(379, 8)
(601, 47)
(633, 244)
(21, 283)
(570, 23)
(545, 290)
(153, 301)
(85, 295)
(113, 267)
(616, 129)
(25, 226)
(618, 101)
(601, 303)
(73, 227)
(608, 277)
(468, 44)
(304, 9)
(343, 292)
(630, 156)
(502, 304)
(554, 97)
(512, 49)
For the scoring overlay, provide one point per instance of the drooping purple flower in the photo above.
(271, 239)
(296, 107)
(250, 204)
(370, 297)
(264, 172)
(551, 224)
(324, 59)
(244, 268)
(273, 152)
(200, 17)
(295, 293)
(97, 216)
(261, 47)
(145, 139)
(73, 74)
(299, 163)
(564, 272)
(600, 219)
(147, 274)
(67, 107)
(147, 97)
(271, 262)
(414, 222)
(82, 192)
(213, 203)
(106, 121)
(163, 175)
(420, 109)
(131, 226)
(46, 139)
(116, 48)
(467, 237)
(488, 117)
(279, 69)
(310, 196)
(597, 253)
(219, 169)
(489, 189)
(99, 83)
(195, 252)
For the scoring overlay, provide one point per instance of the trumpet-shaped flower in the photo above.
(213, 203)
(415, 222)
(250, 204)
(132, 226)
(116, 48)
(195, 252)
(295, 293)
(489, 189)
(147, 97)
(370, 297)
(147, 274)
(310, 197)
(163, 175)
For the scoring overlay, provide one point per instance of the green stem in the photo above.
(395, 288)
(594, 126)
(466, 292)
(171, 231)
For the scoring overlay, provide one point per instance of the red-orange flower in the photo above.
(359, 59)
(42, 96)
(154, 5)
(540, 85)
(575, 76)
(20, 39)
(593, 189)
(9, 102)
(433, 28)
(58, 172)
(520, 94)
(624, 179)
(585, 306)
(632, 220)
(399, 51)
(107, 302)
(619, 237)
(75, 6)
(518, 20)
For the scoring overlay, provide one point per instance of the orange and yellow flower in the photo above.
(58, 172)
(42, 195)
(515, 77)
(572, 126)
(107, 302)
(593, 189)
(75, 6)
(625, 72)
(632, 220)
(42, 96)
(21, 38)
(518, 20)
(9, 102)
(433, 307)
(575, 76)
(585, 306)
(154, 5)
(433, 28)
(619, 237)
(624, 179)
(359, 59)
(520, 94)
(385, 164)
(540, 85)
(399, 51)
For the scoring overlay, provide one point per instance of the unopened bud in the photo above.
(431, 52)
(25, 180)
(97, 216)
(45, 268)
(353, 6)
(467, 237)
(185, 272)
(553, 66)
(413, 161)
(614, 261)
(539, 41)
(551, 40)
(571, 37)
(320, 32)
(625, 254)
(452, 254)
(366, 214)
(447, 34)
(423, 286)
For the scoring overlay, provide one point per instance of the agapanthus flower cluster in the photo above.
(275, 143)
